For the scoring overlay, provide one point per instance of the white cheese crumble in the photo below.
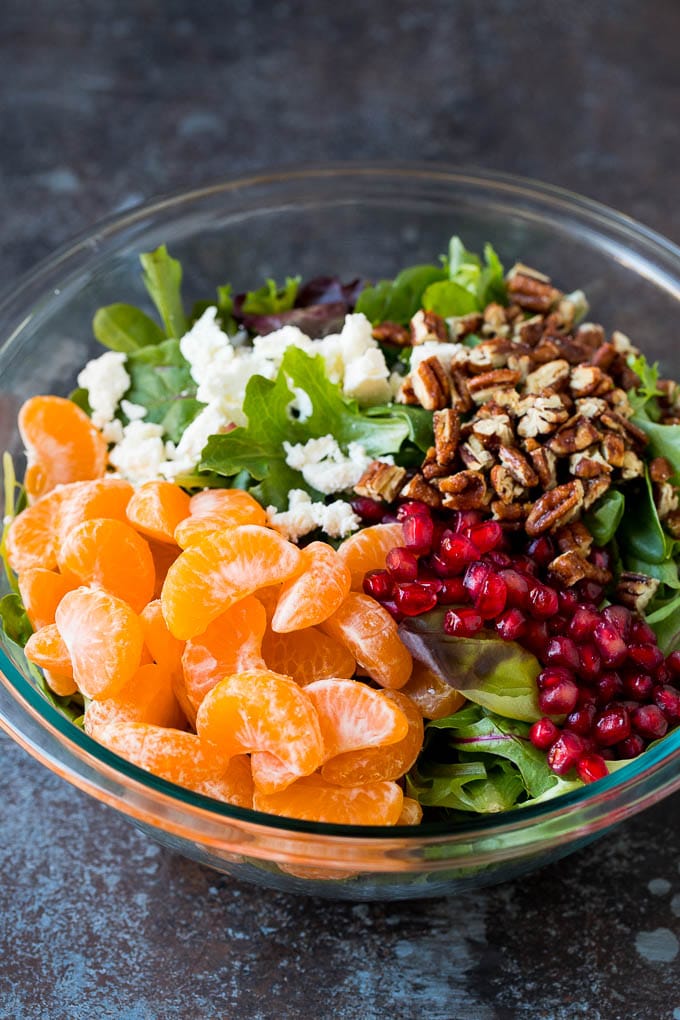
(140, 453)
(337, 519)
(443, 351)
(105, 380)
(324, 466)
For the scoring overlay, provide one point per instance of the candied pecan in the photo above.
(588, 464)
(463, 325)
(530, 331)
(590, 407)
(591, 334)
(488, 355)
(381, 481)
(431, 468)
(521, 363)
(636, 590)
(660, 469)
(428, 326)
(465, 490)
(508, 512)
(618, 401)
(418, 488)
(632, 466)
(569, 308)
(594, 488)
(547, 349)
(406, 394)
(505, 484)
(493, 430)
(495, 318)
(588, 380)
(518, 466)
(604, 356)
(474, 455)
(391, 333)
(482, 387)
(431, 384)
(622, 343)
(541, 415)
(460, 395)
(574, 536)
(531, 290)
(571, 567)
(573, 436)
(550, 375)
(544, 463)
(446, 435)
(665, 498)
(613, 449)
(555, 508)
(507, 400)
(672, 523)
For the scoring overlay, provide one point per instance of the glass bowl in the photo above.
(368, 221)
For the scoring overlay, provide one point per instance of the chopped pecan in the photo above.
(672, 523)
(431, 468)
(618, 400)
(636, 590)
(483, 387)
(495, 319)
(446, 435)
(573, 436)
(460, 395)
(590, 335)
(381, 481)
(418, 488)
(588, 381)
(428, 326)
(406, 393)
(571, 307)
(604, 356)
(665, 498)
(488, 355)
(622, 343)
(530, 331)
(465, 490)
(506, 486)
(618, 423)
(551, 375)
(632, 466)
(474, 455)
(431, 384)
(572, 566)
(518, 466)
(660, 469)
(547, 349)
(574, 536)
(509, 512)
(613, 449)
(493, 430)
(521, 363)
(590, 407)
(531, 290)
(463, 325)
(391, 333)
(544, 463)
(588, 464)
(541, 415)
(555, 508)
(594, 488)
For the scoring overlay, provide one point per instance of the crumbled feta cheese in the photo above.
(443, 351)
(112, 431)
(338, 519)
(140, 453)
(323, 464)
(302, 516)
(367, 378)
(105, 380)
(183, 458)
(301, 407)
(204, 344)
(274, 345)
(133, 412)
(356, 337)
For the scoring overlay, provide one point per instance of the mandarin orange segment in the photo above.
(82, 501)
(147, 698)
(315, 593)
(434, 697)
(307, 655)
(164, 555)
(315, 800)
(371, 635)
(41, 592)
(367, 549)
(47, 649)
(165, 650)
(157, 508)
(230, 644)
(112, 555)
(374, 764)
(353, 715)
(62, 444)
(180, 758)
(221, 569)
(104, 638)
(411, 812)
(32, 537)
(216, 509)
(270, 774)
(261, 711)
(63, 686)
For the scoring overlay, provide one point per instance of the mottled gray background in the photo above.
(105, 104)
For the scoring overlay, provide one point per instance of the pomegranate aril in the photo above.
(646, 656)
(641, 633)
(662, 674)
(590, 665)
(541, 550)
(583, 622)
(451, 590)
(608, 687)
(371, 511)
(611, 645)
(393, 609)
(467, 519)
(552, 675)
(590, 767)
(475, 576)
(631, 747)
(673, 664)
(499, 559)
(561, 651)
(638, 686)
(543, 734)
(379, 584)
(462, 622)
(620, 617)
(649, 721)
(581, 720)
(543, 601)
(525, 565)
(668, 700)
(402, 564)
(490, 599)
(511, 624)
(418, 532)
(440, 567)
(486, 536)
(457, 551)
(557, 625)
(565, 752)
(559, 699)
(611, 726)
(568, 601)
(590, 591)
(413, 508)
(535, 637)
(517, 588)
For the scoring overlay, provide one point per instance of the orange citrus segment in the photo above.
(230, 644)
(47, 649)
(411, 812)
(314, 799)
(104, 638)
(366, 550)
(148, 698)
(270, 774)
(165, 649)
(103, 497)
(41, 592)
(32, 538)
(221, 569)
(62, 444)
(164, 555)
(180, 758)
(156, 509)
(110, 554)
(63, 686)
(307, 655)
(371, 635)
(216, 509)
(353, 715)
(315, 593)
(374, 764)
(433, 696)
(261, 711)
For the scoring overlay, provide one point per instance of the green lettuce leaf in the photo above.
(605, 517)
(665, 622)
(646, 393)
(162, 276)
(398, 300)
(269, 299)
(14, 620)
(125, 328)
(160, 380)
(641, 533)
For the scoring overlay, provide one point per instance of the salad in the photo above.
(356, 552)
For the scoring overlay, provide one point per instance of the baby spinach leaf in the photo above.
(448, 298)
(162, 276)
(398, 300)
(483, 279)
(125, 328)
(640, 533)
(418, 420)
(664, 440)
(665, 622)
(15, 622)
(666, 572)
(606, 515)
(161, 381)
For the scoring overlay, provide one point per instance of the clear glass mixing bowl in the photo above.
(368, 221)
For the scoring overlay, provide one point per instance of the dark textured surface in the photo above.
(102, 105)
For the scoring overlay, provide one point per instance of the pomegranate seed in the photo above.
(641, 633)
(583, 622)
(610, 643)
(631, 747)
(590, 665)
(486, 536)
(585, 696)
(553, 675)
(568, 601)
(620, 617)
(662, 674)
(668, 700)
(378, 584)
(638, 686)
(541, 550)
(389, 518)
(601, 558)
(565, 752)
(608, 688)
(557, 625)
(432, 584)
(543, 601)
(439, 566)
(590, 767)
(475, 576)
(646, 656)
(402, 564)
(490, 599)
(392, 608)
(612, 725)
(452, 590)
(413, 598)
(418, 532)
(499, 559)
(590, 591)
(581, 720)
(412, 509)
(468, 519)
(649, 721)
(462, 622)
(525, 565)
(543, 734)
(673, 664)
(559, 699)
(535, 637)
(370, 510)
(561, 651)
(511, 624)
(517, 588)
(457, 551)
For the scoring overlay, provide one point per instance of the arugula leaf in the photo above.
(270, 298)
(398, 300)
(648, 389)
(125, 328)
(604, 518)
(160, 380)
(162, 276)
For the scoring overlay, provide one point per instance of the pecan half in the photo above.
(431, 468)
(574, 536)
(544, 463)
(572, 566)
(460, 395)
(466, 490)
(660, 469)
(431, 384)
(482, 387)
(391, 333)
(555, 507)
(575, 435)
(428, 326)
(518, 466)
(474, 455)
(636, 590)
(594, 488)
(506, 486)
(463, 325)
(550, 375)
(508, 512)
(381, 481)
(613, 449)
(589, 380)
(493, 430)
(406, 393)
(530, 331)
(541, 415)
(531, 290)
(418, 488)
(446, 435)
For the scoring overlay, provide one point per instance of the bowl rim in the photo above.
(658, 762)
